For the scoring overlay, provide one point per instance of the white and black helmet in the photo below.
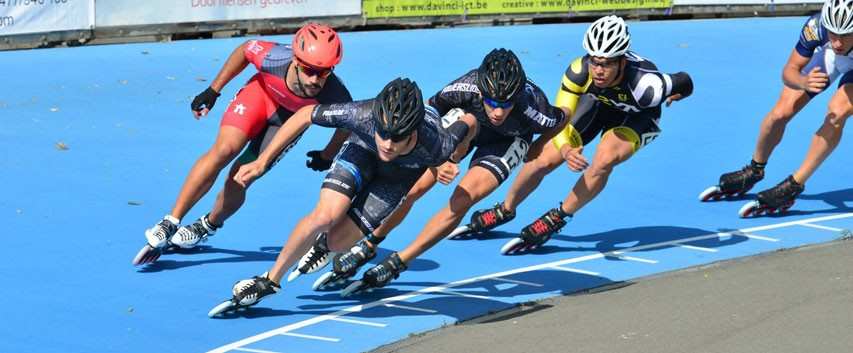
(837, 16)
(608, 37)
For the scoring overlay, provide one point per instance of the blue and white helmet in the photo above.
(837, 16)
(608, 37)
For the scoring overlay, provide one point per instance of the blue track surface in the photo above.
(73, 219)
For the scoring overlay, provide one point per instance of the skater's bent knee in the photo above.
(781, 115)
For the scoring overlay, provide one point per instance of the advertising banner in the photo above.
(37, 16)
(135, 12)
(409, 8)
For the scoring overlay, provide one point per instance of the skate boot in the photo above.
(246, 293)
(315, 259)
(158, 238)
(734, 183)
(482, 221)
(345, 265)
(378, 276)
(187, 237)
(538, 232)
(777, 199)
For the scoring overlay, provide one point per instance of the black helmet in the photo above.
(500, 76)
(398, 109)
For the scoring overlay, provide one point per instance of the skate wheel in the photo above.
(459, 233)
(353, 288)
(147, 254)
(748, 209)
(323, 281)
(293, 275)
(710, 193)
(221, 308)
(511, 246)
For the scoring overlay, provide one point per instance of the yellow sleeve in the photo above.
(575, 83)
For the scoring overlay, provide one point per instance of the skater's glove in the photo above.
(316, 161)
(203, 102)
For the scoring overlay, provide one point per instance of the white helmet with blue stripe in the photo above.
(837, 16)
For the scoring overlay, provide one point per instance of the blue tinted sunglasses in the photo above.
(495, 104)
(394, 138)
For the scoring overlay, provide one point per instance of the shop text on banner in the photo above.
(39, 16)
(408, 8)
(134, 12)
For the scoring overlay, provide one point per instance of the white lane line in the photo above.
(310, 337)
(818, 226)
(518, 282)
(407, 296)
(698, 248)
(253, 350)
(631, 258)
(750, 236)
(465, 294)
(570, 269)
(359, 322)
(412, 308)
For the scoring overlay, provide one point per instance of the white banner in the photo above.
(143, 12)
(35, 16)
(743, 2)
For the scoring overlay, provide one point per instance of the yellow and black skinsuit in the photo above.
(630, 108)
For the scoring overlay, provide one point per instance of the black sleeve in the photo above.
(342, 115)
(334, 91)
(442, 102)
(682, 84)
(458, 130)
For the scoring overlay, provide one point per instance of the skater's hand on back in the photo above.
(249, 172)
(447, 172)
(574, 158)
(815, 81)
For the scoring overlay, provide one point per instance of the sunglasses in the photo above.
(396, 138)
(495, 104)
(313, 71)
(604, 63)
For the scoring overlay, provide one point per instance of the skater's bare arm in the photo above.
(463, 146)
(235, 64)
(814, 81)
(293, 127)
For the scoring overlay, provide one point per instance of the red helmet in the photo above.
(318, 45)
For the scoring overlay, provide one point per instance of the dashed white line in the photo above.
(461, 294)
(386, 301)
(631, 258)
(750, 236)
(359, 322)
(818, 226)
(518, 282)
(412, 308)
(569, 269)
(244, 349)
(698, 248)
(310, 337)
